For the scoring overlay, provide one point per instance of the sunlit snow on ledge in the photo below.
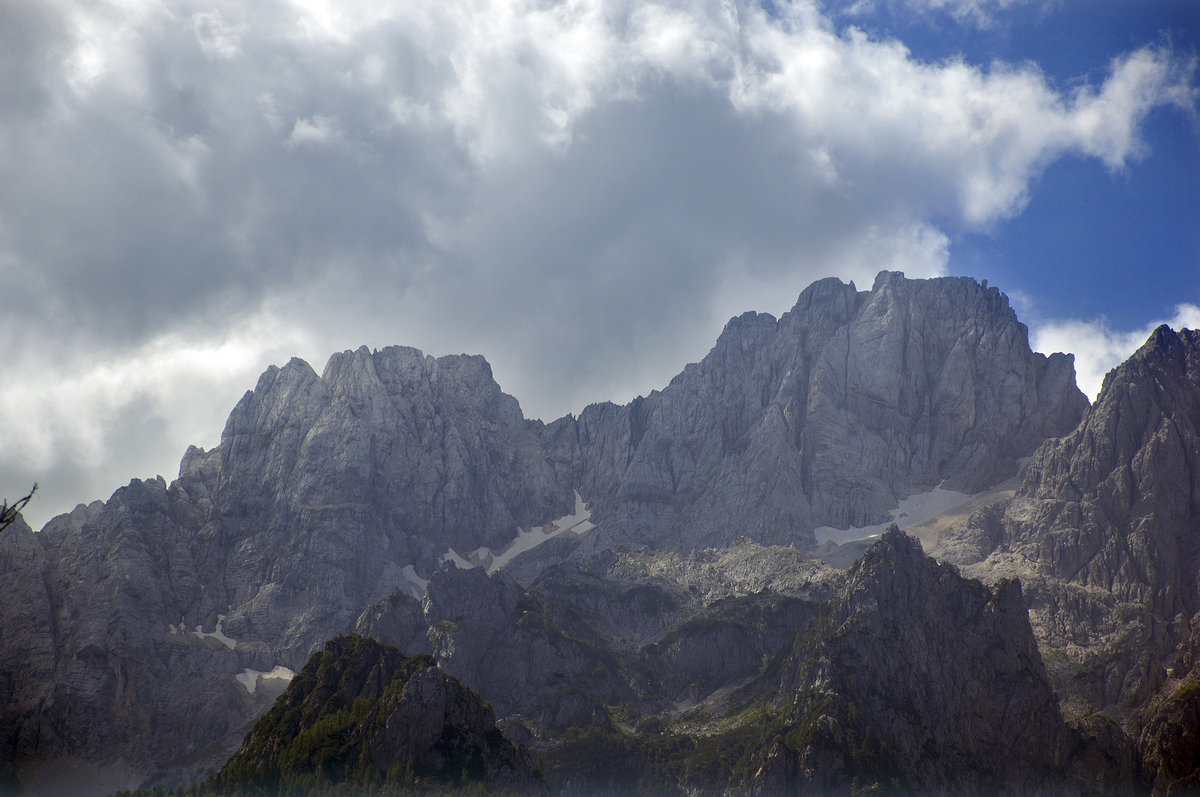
(218, 634)
(912, 511)
(249, 678)
(578, 522)
(452, 555)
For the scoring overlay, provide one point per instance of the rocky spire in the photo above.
(919, 680)
(1104, 534)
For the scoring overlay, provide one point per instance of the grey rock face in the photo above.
(623, 628)
(1104, 526)
(1104, 534)
(88, 670)
(931, 683)
(128, 623)
(321, 491)
(398, 620)
(1168, 737)
(500, 638)
(1133, 470)
(828, 416)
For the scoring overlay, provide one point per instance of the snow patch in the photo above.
(578, 522)
(218, 634)
(452, 555)
(912, 511)
(413, 584)
(249, 678)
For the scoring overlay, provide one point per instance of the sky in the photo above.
(583, 191)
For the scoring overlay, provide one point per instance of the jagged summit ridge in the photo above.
(328, 491)
(322, 491)
(1103, 533)
(827, 416)
(432, 446)
(1150, 400)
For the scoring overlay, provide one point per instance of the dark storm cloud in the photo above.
(33, 41)
(196, 192)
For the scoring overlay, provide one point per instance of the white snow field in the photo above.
(249, 678)
(578, 522)
(912, 511)
(218, 634)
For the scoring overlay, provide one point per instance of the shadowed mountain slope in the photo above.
(362, 716)
(1105, 535)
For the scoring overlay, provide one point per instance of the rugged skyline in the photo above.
(334, 500)
(583, 192)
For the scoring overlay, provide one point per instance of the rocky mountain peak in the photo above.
(916, 594)
(828, 416)
(360, 714)
(1125, 485)
(919, 680)
(1168, 348)
(1149, 407)
(1102, 532)
(332, 494)
(894, 550)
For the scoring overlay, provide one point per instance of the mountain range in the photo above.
(691, 591)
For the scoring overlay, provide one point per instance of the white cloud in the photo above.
(1106, 123)
(215, 36)
(977, 12)
(582, 190)
(968, 141)
(319, 129)
(1098, 348)
(100, 420)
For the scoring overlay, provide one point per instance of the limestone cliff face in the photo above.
(827, 416)
(1132, 473)
(137, 635)
(923, 681)
(1105, 534)
(127, 622)
(389, 452)
(1103, 529)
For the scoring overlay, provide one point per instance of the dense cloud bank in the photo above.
(583, 191)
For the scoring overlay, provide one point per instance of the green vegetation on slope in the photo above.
(329, 733)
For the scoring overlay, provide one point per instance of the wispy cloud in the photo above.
(981, 13)
(94, 420)
(1098, 348)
